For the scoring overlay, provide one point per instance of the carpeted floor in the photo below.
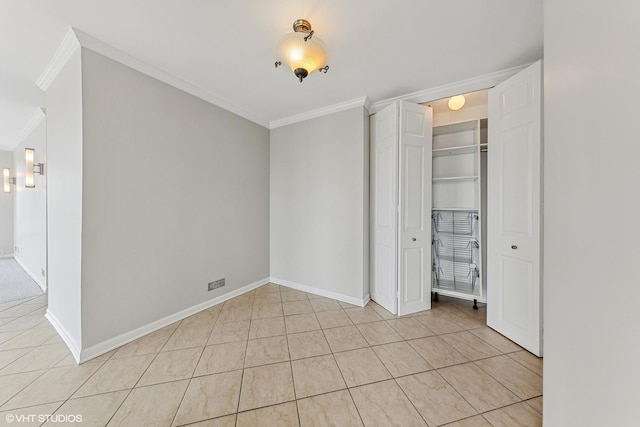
(15, 283)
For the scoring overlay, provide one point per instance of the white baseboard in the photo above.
(66, 337)
(321, 292)
(35, 278)
(115, 342)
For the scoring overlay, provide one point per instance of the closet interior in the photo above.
(458, 217)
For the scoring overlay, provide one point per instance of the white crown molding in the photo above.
(117, 55)
(450, 89)
(324, 111)
(63, 53)
(26, 130)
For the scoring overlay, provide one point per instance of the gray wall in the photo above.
(592, 213)
(175, 195)
(6, 206)
(30, 208)
(319, 203)
(64, 208)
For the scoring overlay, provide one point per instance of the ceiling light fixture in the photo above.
(456, 102)
(303, 51)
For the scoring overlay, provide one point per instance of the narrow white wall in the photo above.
(30, 210)
(319, 203)
(175, 195)
(64, 205)
(6, 207)
(592, 213)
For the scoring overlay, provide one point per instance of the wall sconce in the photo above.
(32, 167)
(7, 180)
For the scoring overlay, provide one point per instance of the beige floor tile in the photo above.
(347, 305)
(377, 333)
(472, 347)
(362, 315)
(6, 336)
(269, 297)
(345, 338)
(229, 332)
(401, 359)
(314, 296)
(316, 375)
(31, 416)
(155, 405)
(331, 409)
(523, 382)
(435, 399)
(263, 311)
(536, 403)
(382, 312)
(219, 358)
(324, 304)
(437, 352)
(266, 385)
(293, 295)
(227, 421)
(333, 319)
(95, 410)
(205, 318)
(477, 421)
(282, 415)
(234, 314)
(148, 344)
(528, 360)
(210, 397)
(519, 415)
(496, 340)
(439, 324)
(297, 307)
(54, 385)
(307, 344)
(384, 404)
(29, 338)
(267, 289)
(42, 357)
(23, 323)
(482, 391)
(301, 323)
(10, 385)
(263, 351)
(270, 327)
(410, 328)
(116, 374)
(171, 366)
(187, 338)
(469, 319)
(19, 310)
(361, 366)
(10, 356)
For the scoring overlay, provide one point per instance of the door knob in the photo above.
(413, 238)
(514, 247)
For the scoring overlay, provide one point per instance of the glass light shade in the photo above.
(6, 172)
(29, 157)
(456, 102)
(310, 55)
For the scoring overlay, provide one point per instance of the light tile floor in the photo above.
(276, 357)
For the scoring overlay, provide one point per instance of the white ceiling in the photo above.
(379, 48)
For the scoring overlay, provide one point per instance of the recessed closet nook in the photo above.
(455, 205)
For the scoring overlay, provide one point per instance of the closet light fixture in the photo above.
(32, 167)
(302, 50)
(456, 102)
(7, 180)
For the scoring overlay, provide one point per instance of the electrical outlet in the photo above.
(215, 284)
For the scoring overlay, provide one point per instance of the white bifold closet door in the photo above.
(514, 209)
(401, 207)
